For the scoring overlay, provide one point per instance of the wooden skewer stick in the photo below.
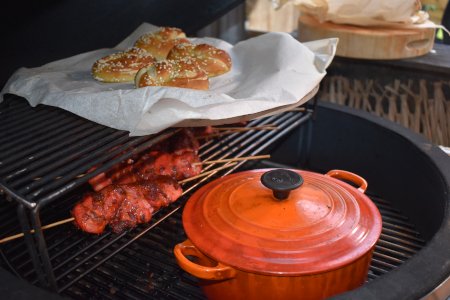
(262, 127)
(16, 236)
(230, 130)
(218, 161)
(19, 235)
(203, 174)
(298, 109)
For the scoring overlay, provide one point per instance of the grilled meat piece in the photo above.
(166, 191)
(183, 146)
(179, 166)
(96, 210)
(102, 180)
(135, 209)
(182, 141)
(203, 131)
(125, 205)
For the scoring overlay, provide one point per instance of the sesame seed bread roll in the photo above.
(159, 43)
(212, 60)
(184, 73)
(121, 66)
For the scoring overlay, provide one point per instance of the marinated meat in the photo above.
(176, 157)
(135, 209)
(179, 166)
(125, 205)
(182, 141)
(95, 210)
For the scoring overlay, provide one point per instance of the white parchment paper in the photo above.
(269, 71)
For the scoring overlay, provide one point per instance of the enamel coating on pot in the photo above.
(323, 225)
(223, 282)
(249, 245)
(250, 286)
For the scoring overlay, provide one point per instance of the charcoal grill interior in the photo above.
(44, 172)
(45, 175)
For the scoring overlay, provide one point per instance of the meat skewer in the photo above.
(138, 191)
(130, 193)
(182, 141)
(213, 132)
(176, 157)
(225, 160)
(179, 166)
(71, 219)
(124, 206)
(237, 129)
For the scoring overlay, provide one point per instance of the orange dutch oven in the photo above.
(279, 234)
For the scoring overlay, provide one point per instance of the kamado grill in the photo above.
(48, 155)
(43, 176)
(71, 255)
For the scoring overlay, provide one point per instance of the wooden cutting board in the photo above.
(369, 42)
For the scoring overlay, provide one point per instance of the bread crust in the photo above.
(121, 66)
(145, 64)
(159, 43)
(212, 60)
(183, 73)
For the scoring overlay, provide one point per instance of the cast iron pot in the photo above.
(279, 234)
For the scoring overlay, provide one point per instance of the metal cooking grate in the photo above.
(45, 174)
(138, 263)
(45, 151)
(398, 242)
(147, 267)
(155, 272)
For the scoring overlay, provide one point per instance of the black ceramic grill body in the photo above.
(139, 263)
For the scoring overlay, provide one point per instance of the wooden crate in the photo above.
(418, 104)
(414, 92)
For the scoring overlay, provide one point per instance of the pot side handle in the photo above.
(352, 177)
(218, 272)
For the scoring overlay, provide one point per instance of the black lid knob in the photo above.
(281, 182)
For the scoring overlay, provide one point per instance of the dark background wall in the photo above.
(38, 32)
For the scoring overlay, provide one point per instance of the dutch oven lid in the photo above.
(248, 221)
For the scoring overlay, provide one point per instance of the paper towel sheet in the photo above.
(389, 13)
(269, 71)
(366, 12)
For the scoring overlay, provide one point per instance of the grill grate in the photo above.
(398, 242)
(47, 175)
(43, 176)
(156, 273)
(54, 162)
